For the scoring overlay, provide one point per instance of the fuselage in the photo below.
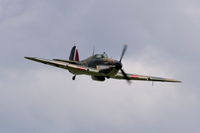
(103, 64)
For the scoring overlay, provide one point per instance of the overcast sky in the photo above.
(163, 39)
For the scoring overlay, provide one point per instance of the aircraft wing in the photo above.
(78, 69)
(144, 78)
(48, 62)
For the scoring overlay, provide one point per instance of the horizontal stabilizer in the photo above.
(67, 61)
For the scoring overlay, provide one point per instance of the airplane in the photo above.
(99, 66)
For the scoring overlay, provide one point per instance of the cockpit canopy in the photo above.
(99, 56)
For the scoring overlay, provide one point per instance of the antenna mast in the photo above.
(93, 50)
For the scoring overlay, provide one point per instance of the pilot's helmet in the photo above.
(105, 55)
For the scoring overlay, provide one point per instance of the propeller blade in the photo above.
(125, 76)
(123, 52)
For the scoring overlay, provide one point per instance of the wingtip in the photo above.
(177, 81)
(28, 58)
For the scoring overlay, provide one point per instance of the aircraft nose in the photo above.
(118, 65)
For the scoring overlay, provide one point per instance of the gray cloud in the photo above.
(163, 40)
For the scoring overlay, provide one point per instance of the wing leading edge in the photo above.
(145, 78)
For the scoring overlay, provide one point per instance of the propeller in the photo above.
(125, 76)
(119, 64)
(123, 52)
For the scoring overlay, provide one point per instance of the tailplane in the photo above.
(74, 55)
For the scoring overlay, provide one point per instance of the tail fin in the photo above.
(74, 55)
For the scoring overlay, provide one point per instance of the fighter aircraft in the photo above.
(98, 66)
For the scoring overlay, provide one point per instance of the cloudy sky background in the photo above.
(163, 39)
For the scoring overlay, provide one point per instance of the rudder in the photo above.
(74, 55)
